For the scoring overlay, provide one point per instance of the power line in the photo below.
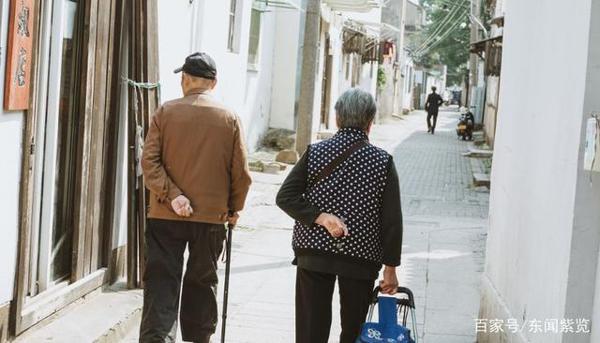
(447, 20)
(434, 38)
(448, 28)
(437, 30)
(440, 40)
(451, 3)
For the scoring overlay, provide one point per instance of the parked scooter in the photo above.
(465, 126)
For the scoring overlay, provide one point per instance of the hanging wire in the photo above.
(452, 3)
(445, 23)
(143, 85)
(139, 129)
(423, 50)
(440, 40)
(439, 28)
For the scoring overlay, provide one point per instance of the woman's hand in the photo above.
(389, 284)
(334, 225)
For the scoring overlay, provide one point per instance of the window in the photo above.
(254, 41)
(52, 240)
(347, 57)
(232, 44)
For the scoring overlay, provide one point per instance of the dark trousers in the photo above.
(166, 241)
(430, 114)
(314, 292)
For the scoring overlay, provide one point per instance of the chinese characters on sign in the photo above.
(536, 326)
(18, 59)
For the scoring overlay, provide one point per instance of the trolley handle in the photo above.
(401, 290)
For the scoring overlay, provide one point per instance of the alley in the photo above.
(443, 242)
(116, 112)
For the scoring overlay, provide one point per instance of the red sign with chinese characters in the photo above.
(17, 83)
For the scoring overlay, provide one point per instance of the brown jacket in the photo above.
(195, 147)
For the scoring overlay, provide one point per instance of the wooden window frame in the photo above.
(48, 100)
(234, 15)
(256, 14)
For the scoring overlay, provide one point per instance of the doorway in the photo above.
(69, 166)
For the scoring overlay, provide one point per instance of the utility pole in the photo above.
(310, 53)
(399, 100)
(473, 70)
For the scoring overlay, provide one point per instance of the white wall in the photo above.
(11, 135)
(338, 76)
(286, 44)
(285, 60)
(204, 26)
(491, 105)
(175, 20)
(583, 292)
(535, 169)
(407, 98)
(368, 79)
(414, 14)
(257, 98)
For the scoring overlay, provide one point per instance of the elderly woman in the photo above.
(345, 198)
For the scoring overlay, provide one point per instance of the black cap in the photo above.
(199, 64)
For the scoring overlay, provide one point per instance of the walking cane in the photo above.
(227, 271)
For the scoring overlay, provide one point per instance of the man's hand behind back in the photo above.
(181, 205)
(233, 218)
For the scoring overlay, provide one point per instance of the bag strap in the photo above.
(330, 168)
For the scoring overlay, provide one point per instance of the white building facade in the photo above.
(245, 38)
(544, 235)
(339, 65)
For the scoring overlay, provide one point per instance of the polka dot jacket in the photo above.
(352, 192)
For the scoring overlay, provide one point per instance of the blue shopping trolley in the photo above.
(388, 329)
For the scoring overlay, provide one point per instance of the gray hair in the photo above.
(355, 108)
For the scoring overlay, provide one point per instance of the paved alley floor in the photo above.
(445, 221)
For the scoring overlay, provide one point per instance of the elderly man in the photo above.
(194, 164)
(345, 197)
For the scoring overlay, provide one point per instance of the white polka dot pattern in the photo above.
(353, 192)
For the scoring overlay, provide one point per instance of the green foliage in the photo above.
(453, 50)
(381, 78)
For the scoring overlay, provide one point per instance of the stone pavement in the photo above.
(444, 241)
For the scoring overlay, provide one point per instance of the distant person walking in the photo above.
(432, 106)
(345, 197)
(194, 165)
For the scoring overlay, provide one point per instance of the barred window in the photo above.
(254, 41)
(232, 45)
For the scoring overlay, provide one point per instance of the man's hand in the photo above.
(389, 284)
(334, 225)
(233, 218)
(181, 205)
